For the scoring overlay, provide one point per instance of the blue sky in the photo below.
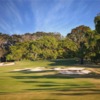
(22, 16)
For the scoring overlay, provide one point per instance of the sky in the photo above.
(23, 16)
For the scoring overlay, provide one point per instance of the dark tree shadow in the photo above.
(62, 88)
(64, 62)
(73, 62)
(68, 91)
(30, 72)
(59, 76)
(78, 94)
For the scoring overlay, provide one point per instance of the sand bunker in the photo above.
(71, 70)
(31, 69)
(74, 71)
(7, 64)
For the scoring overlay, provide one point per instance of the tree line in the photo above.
(81, 42)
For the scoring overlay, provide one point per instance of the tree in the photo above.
(48, 45)
(34, 51)
(18, 51)
(96, 50)
(66, 48)
(97, 23)
(78, 36)
(97, 47)
(3, 45)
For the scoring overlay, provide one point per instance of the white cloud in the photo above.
(12, 11)
(59, 15)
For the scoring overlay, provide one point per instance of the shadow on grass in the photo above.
(45, 82)
(30, 72)
(3, 93)
(73, 62)
(64, 62)
(59, 76)
(65, 86)
(54, 76)
(78, 94)
(68, 91)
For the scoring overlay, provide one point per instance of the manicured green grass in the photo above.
(48, 85)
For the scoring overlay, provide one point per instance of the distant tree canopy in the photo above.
(43, 48)
(81, 42)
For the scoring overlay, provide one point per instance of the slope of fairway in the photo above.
(48, 85)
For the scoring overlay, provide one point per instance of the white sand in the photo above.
(71, 70)
(74, 71)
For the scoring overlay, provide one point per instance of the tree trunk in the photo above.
(81, 61)
(35, 56)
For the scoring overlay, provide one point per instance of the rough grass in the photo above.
(48, 85)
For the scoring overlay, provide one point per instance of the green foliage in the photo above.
(96, 50)
(79, 36)
(48, 46)
(97, 23)
(44, 48)
(82, 42)
(16, 53)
